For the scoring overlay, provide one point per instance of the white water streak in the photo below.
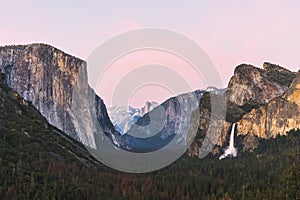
(230, 151)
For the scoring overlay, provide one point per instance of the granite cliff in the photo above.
(277, 117)
(162, 124)
(51, 79)
(263, 102)
(250, 84)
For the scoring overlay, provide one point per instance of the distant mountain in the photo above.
(263, 102)
(39, 85)
(211, 89)
(171, 118)
(38, 161)
(123, 117)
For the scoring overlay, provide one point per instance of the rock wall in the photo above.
(47, 77)
(263, 102)
(251, 84)
(277, 117)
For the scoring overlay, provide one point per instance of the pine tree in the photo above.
(292, 173)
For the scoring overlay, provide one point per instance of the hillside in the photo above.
(33, 154)
(37, 161)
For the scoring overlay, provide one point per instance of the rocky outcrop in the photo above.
(123, 117)
(277, 117)
(253, 85)
(102, 115)
(167, 122)
(264, 102)
(47, 77)
(257, 99)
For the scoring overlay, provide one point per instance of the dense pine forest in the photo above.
(38, 161)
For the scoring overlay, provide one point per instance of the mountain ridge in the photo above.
(123, 117)
(38, 161)
(48, 77)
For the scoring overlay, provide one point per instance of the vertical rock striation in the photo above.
(263, 102)
(277, 117)
(47, 77)
(251, 84)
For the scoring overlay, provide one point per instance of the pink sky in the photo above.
(136, 76)
(232, 32)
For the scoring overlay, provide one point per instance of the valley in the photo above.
(45, 140)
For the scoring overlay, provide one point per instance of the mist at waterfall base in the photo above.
(230, 151)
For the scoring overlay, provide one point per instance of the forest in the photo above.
(38, 161)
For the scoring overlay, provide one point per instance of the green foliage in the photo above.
(291, 176)
(39, 162)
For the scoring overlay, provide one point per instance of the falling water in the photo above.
(231, 142)
(230, 151)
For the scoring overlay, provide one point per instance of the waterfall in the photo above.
(231, 142)
(230, 150)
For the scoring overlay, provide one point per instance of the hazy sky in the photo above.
(231, 32)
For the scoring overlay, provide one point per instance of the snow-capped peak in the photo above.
(123, 117)
(211, 89)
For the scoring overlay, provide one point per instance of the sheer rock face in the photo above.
(265, 102)
(251, 84)
(47, 77)
(176, 115)
(277, 117)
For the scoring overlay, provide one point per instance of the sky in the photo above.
(231, 32)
